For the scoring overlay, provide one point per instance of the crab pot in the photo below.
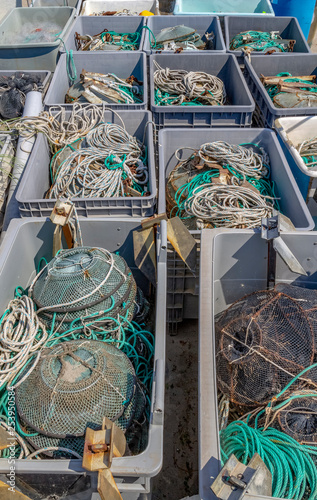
(238, 113)
(122, 65)
(31, 55)
(95, 7)
(233, 263)
(30, 194)
(183, 287)
(224, 7)
(297, 65)
(25, 243)
(202, 25)
(288, 28)
(90, 25)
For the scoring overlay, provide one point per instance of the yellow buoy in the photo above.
(146, 13)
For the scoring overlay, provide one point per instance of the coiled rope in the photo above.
(180, 87)
(227, 206)
(59, 130)
(112, 160)
(308, 151)
(21, 335)
(240, 198)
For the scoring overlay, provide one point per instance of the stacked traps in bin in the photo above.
(87, 300)
(75, 385)
(221, 185)
(263, 342)
(85, 285)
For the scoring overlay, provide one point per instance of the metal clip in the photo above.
(62, 212)
(236, 479)
(100, 448)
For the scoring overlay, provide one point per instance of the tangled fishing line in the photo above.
(261, 41)
(221, 185)
(181, 87)
(58, 127)
(287, 91)
(110, 162)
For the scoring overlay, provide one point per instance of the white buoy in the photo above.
(33, 107)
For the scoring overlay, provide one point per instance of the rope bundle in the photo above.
(308, 151)
(58, 130)
(291, 465)
(242, 159)
(112, 161)
(180, 87)
(22, 334)
(227, 206)
(222, 185)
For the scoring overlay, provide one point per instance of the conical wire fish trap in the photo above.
(82, 285)
(298, 418)
(75, 385)
(262, 341)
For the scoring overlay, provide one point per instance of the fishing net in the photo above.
(82, 286)
(136, 434)
(13, 90)
(262, 342)
(298, 419)
(76, 384)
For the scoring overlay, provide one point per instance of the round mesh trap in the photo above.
(136, 434)
(84, 282)
(75, 385)
(299, 419)
(262, 341)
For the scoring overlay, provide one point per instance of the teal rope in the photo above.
(70, 63)
(259, 41)
(290, 463)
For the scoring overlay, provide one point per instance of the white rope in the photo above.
(58, 129)
(227, 206)
(184, 86)
(18, 330)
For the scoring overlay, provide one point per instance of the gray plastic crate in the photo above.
(290, 199)
(57, 3)
(183, 287)
(33, 56)
(234, 263)
(122, 64)
(298, 64)
(30, 194)
(224, 7)
(202, 25)
(94, 6)
(291, 132)
(237, 114)
(92, 25)
(288, 28)
(26, 241)
(44, 75)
